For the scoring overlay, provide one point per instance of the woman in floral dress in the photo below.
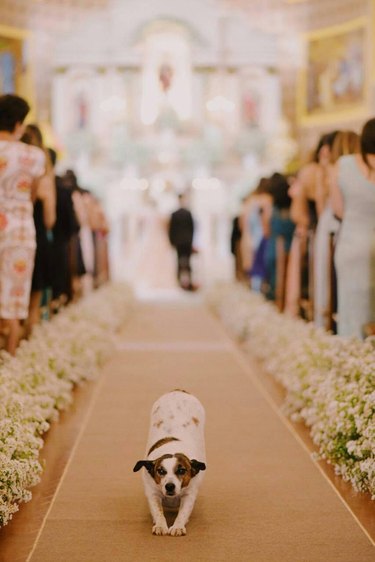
(21, 166)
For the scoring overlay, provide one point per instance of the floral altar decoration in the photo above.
(329, 380)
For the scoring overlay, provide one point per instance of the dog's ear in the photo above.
(196, 466)
(149, 466)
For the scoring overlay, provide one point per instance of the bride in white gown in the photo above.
(155, 265)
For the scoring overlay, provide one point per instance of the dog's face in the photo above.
(171, 473)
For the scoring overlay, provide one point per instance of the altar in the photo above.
(179, 96)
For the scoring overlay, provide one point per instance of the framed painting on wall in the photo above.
(15, 64)
(335, 82)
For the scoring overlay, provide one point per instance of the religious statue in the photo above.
(165, 76)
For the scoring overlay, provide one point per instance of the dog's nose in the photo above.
(170, 487)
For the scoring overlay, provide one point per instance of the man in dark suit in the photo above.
(181, 231)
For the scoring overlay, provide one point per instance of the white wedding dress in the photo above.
(155, 266)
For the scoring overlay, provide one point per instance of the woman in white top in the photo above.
(21, 166)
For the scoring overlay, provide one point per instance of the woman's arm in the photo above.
(298, 209)
(266, 214)
(46, 192)
(299, 212)
(336, 196)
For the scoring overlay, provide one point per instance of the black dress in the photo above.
(65, 227)
(42, 265)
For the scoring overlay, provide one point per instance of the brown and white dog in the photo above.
(173, 473)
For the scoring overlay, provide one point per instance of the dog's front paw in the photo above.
(177, 531)
(160, 529)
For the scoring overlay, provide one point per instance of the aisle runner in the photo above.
(263, 500)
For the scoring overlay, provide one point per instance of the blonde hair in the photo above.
(346, 142)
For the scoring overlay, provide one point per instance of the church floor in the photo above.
(262, 500)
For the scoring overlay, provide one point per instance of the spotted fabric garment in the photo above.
(20, 165)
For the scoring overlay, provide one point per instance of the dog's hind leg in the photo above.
(160, 524)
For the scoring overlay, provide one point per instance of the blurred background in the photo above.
(146, 99)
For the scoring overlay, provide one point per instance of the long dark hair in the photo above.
(326, 139)
(368, 141)
(33, 135)
(278, 188)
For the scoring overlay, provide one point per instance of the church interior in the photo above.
(216, 160)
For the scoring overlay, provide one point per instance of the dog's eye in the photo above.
(161, 472)
(181, 471)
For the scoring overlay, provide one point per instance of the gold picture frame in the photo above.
(16, 64)
(334, 85)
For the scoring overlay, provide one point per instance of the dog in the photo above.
(173, 474)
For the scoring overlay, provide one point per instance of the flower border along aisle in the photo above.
(329, 381)
(37, 383)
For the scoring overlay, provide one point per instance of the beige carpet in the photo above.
(263, 500)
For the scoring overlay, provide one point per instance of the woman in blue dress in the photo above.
(280, 225)
(260, 203)
(353, 201)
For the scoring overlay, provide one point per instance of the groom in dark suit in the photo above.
(181, 231)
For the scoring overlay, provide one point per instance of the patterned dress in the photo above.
(20, 164)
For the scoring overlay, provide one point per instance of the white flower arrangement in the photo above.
(37, 383)
(329, 380)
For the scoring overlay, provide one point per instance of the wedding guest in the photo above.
(44, 219)
(65, 227)
(22, 168)
(259, 212)
(327, 224)
(76, 263)
(245, 246)
(338, 144)
(303, 212)
(100, 228)
(82, 201)
(353, 201)
(241, 242)
(235, 241)
(280, 226)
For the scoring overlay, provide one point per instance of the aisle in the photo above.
(263, 500)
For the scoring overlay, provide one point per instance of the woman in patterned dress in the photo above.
(21, 166)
